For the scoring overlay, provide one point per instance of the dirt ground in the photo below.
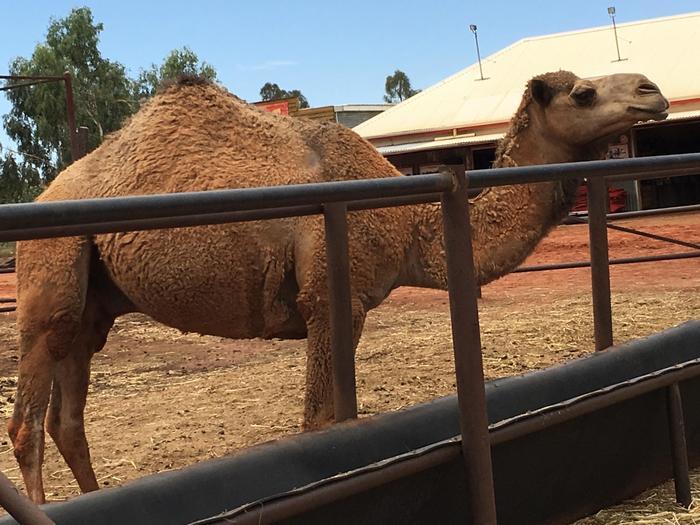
(161, 399)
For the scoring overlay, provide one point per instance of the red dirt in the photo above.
(570, 243)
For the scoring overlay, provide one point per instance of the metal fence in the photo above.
(334, 200)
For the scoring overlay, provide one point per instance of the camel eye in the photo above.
(583, 95)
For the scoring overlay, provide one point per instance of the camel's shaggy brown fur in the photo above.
(262, 278)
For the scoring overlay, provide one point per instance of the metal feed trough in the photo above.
(561, 443)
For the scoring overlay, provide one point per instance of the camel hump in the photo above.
(52, 280)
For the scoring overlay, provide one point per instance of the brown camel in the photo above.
(267, 278)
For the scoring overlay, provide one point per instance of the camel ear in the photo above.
(542, 93)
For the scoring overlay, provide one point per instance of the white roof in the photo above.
(440, 143)
(663, 49)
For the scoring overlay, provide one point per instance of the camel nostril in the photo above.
(648, 88)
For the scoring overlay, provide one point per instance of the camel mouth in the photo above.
(653, 113)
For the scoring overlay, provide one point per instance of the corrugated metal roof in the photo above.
(439, 144)
(684, 115)
(661, 48)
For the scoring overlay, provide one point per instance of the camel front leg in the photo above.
(318, 403)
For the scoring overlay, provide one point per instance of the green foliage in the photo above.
(398, 87)
(104, 96)
(18, 182)
(179, 62)
(272, 91)
(101, 91)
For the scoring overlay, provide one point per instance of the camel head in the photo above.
(564, 118)
(584, 114)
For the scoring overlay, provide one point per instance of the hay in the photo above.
(654, 507)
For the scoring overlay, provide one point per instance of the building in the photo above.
(462, 117)
(349, 115)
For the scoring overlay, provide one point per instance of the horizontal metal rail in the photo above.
(185, 209)
(623, 260)
(632, 168)
(32, 77)
(633, 231)
(26, 84)
(206, 219)
(137, 211)
(573, 218)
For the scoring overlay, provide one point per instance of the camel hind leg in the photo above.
(52, 278)
(65, 421)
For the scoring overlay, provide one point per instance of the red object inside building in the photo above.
(617, 199)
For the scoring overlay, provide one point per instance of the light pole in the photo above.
(611, 12)
(472, 28)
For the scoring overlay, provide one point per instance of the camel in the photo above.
(267, 278)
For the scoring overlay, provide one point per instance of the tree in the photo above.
(102, 95)
(272, 91)
(179, 62)
(18, 182)
(398, 87)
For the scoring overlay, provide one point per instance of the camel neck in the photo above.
(507, 222)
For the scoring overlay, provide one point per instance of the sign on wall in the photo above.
(275, 106)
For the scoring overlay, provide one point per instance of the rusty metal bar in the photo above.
(679, 448)
(70, 115)
(6, 309)
(466, 340)
(7, 300)
(633, 231)
(340, 305)
(654, 236)
(19, 506)
(27, 84)
(623, 260)
(600, 270)
(7, 270)
(31, 77)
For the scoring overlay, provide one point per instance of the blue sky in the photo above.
(334, 52)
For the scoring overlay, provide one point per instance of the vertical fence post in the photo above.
(82, 136)
(70, 117)
(679, 447)
(338, 269)
(19, 506)
(600, 268)
(466, 341)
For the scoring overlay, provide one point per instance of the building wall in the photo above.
(354, 118)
